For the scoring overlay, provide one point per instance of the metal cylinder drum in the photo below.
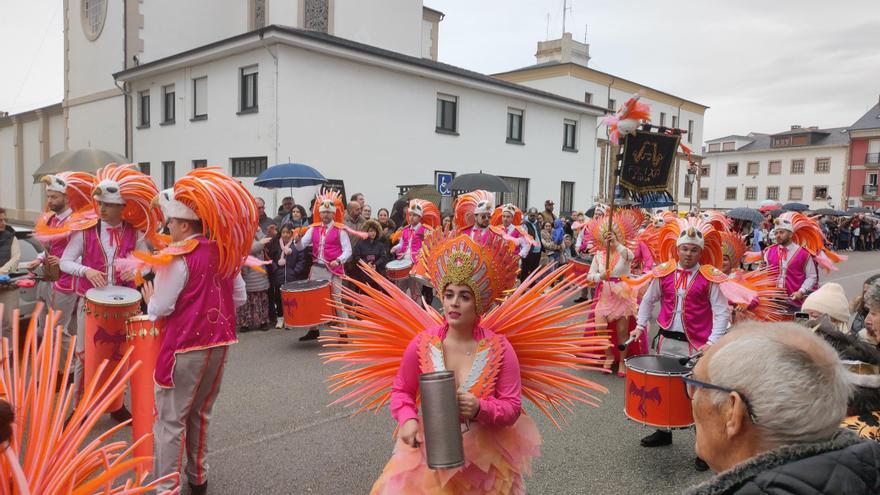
(443, 442)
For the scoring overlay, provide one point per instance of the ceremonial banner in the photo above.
(646, 171)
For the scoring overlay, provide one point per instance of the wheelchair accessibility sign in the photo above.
(443, 180)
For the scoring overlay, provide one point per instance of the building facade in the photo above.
(802, 165)
(562, 68)
(864, 160)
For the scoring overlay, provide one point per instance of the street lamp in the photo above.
(691, 173)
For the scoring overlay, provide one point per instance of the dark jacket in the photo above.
(296, 264)
(844, 465)
(372, 251)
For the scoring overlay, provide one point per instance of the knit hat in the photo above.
(829, 300)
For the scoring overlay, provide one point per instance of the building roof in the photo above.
(556, 63)
(833, 136)
(363, 48)
(870, 120)
(728, 138)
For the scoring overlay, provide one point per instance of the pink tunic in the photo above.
(207, 319)
(502, 407)
(795, 271)
(482, 236)
(417, 237)
(93, 254)
(696, 317)
(332, 247)
(642, 260)
(65, 282)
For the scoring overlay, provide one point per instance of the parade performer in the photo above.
(422, 218)
(694, 311)
(66, 193)
(799, 250)
(473, 211)
(212, 219)
(526, 347)
(331, 246)
(616, 300)
(509, 218)
(769, 302)
(127, 219)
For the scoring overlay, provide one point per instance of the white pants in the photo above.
(183, 414)
(321, 272)
(9, 300)
(674, 347)
(66, 304)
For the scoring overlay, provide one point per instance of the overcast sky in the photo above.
(759, 65)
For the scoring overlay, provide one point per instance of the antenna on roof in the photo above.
(564, 8)
(547, 38)
(586, 26)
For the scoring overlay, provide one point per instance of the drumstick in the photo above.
(623, 346)
(693, 357)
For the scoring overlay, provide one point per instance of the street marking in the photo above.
(862, 274)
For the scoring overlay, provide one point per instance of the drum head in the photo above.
(113, 295)
(398, 264)
(657, 364)
(304, 285)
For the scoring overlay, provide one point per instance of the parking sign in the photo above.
(443, 180)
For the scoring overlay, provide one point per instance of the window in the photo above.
(144, 167)
(704, 170)
(730, 193)
(200, 98)
(753, 168)
(447, 113)
(662, 119)
(566, 197)
(249, 166)
(773, 192)
(797, 167)
(520, 192)
(751, 193)
(704, 193)
(733, 168)
(514, 126)
(612, 104)
(588, 97)
(675, 121)
(795, 193)
(569, 135)
(248, 102)
(690, 135)
(820, 192)
(167, 175)
(714, 147)
(823, 165)
(144, 109)
(200, 164)
(774, 168)
(688, 188)
(167, 104)
(728, 146)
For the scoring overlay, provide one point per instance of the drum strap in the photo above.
(673, 335)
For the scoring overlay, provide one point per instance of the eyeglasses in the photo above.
(691, 384)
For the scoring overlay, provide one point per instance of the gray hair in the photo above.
(872, 295)
(794, 381)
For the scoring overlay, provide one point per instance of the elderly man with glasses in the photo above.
(768, 399)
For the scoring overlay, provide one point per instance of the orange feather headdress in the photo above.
(136, 191)
(667, 236)
(468, 205)
(427, 210)
(733, 246)
(506, 208)
(807, 233)
(328, 200)
(624, 224)
(77, 186)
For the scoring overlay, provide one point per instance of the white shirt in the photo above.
(61, 217)
(71, 260)
(306, 241)
(720, 309)
(620, 269)
(523, 242)
(169, 283)
(812, 275)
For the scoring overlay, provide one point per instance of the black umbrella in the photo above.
(795, 207)
(746, 214)
(858, 209)
(471, 182)
(589, 213)
(829, 212)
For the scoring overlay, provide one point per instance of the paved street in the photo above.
(273, 432)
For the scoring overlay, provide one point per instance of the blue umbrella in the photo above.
(795, 207)
(289, 175)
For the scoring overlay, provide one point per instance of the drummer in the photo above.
(693, 311)
(196, 295)
(510, 221)
(473, 212)
(331, 248)
(411, 239)
(92, 251)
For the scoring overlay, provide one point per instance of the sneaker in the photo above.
(198, 489)
(659, 438)
(700, 465)
(121, 414)
(311, 335)
(279, 324)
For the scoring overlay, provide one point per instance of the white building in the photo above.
(562, 68)
(802, 165)
(352, 88)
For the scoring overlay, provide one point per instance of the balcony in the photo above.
(872, 160)
(869, 191)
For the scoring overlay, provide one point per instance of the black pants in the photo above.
(529, 264)
(276, 310)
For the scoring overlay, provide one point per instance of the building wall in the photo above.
(718, 180)
(98, 124)
(91, 64)
(172, 26)
(859, 170)
(390, 24)
(366, 125)
(8, 186)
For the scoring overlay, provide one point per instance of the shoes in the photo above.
(311, 335)
(244, 329)
(121, 414)
(279, 324)
(198, 489)
(265, 327)
(700, 465)
(657, 439)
